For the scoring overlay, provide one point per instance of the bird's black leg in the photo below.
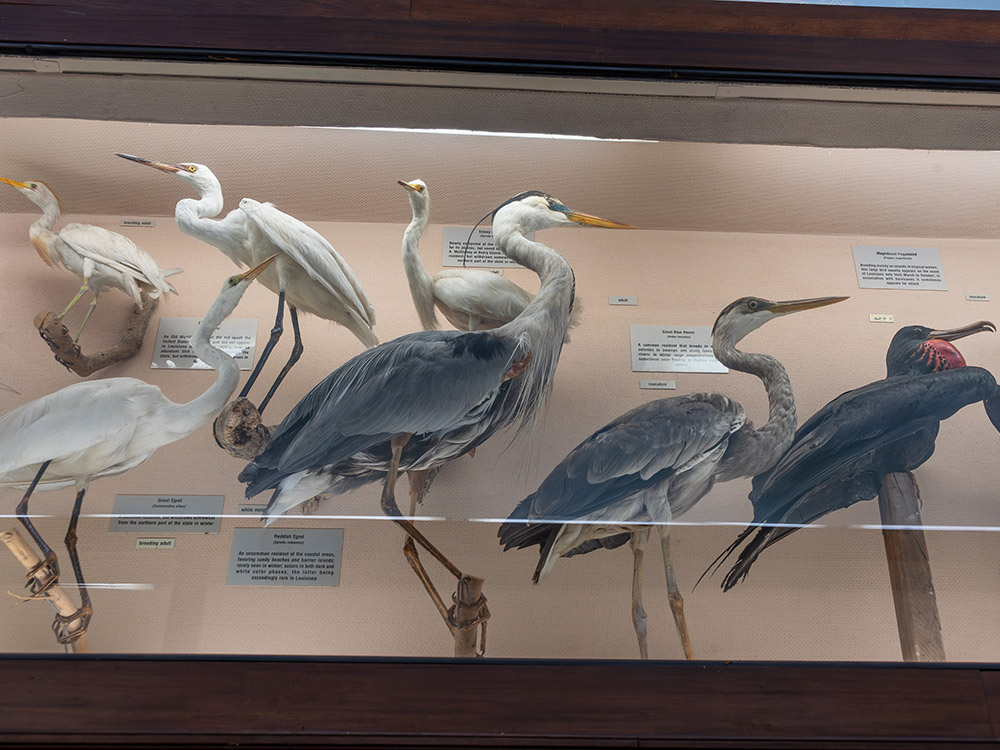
(62, 624)
(275, 335)
(296, 353)
(38, 587)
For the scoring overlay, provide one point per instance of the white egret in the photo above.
(471, 299)
(102, 258)
(309, 273)
(655, 462)
(102, 428)
(420, 400)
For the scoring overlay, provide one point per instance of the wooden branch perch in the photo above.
(238, 430)
(56, 595)
(68, 353)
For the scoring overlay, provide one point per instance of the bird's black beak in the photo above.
(953, 334)
(172, 168)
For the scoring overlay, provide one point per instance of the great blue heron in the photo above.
(309, 273)
(425, 398)
(471, 299)
(102, 428)
(843, 452)
(655, 462)
(102, 258)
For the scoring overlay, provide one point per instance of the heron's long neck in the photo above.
(194, 217)
(194, 414)
(44, 239)
(420, 281)
(755, 450)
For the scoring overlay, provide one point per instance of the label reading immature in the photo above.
(673, 349)
(899, 267)
(285, 557)
(176, 514)
(480, 252)
(236, 337)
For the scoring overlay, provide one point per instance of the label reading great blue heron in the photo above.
(176, 514)
(480, 251)
(237, 337)
(285, 557)
(881, 267)
(673, 349)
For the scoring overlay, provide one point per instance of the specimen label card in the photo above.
(881, 267)
(623, 299)
(673, 349)
(236, 337)
(145, 223)
(156, 543)
(285, 557)
(658, 385)
(481, 252)
(977, 297)
(176, 514)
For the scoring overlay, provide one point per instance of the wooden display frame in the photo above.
(213, 702)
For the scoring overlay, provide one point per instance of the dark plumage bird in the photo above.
(842, 453)
(656, 461)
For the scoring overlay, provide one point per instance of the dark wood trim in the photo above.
(667, 35)
(482, 703)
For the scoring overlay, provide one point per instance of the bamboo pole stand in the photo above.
(56, 596)
(68, 354)
(909, 569)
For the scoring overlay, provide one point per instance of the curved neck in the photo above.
(752, 450)
(43, 238)
(420, 281)
(194, 217)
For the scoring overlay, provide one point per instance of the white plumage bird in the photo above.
(102, 258)
(103, 428)
(309, 273)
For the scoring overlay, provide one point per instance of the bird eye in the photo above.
(752, 304)
(192, 168)
(234, 280)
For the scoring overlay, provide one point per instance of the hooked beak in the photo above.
(15, 183)
(254, 272)
(953, 334)
(410, 186)
(596, 221)
(155, 164)
(797, 305)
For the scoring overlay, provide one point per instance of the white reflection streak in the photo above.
(491, 133)
(120, 586)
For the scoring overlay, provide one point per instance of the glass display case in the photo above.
(776, 191)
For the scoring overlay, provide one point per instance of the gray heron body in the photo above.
(309, 273)
(413, 403)
(655, 462)
(101, 428)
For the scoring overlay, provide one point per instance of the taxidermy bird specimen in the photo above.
(102, 258)
(309, 273)
(470, 299)
(843, 452)
(653, 463)
(102, 428)
(423, 399)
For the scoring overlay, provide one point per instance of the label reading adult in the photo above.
(623, 299)
(236, 337)
(176, 514)
(673, 349)
(480, 253)
(285, 557)
(899, 267)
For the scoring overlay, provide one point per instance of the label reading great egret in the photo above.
(899, 267)
(285, 557)
(673, 349)
(176, 514)
(480, 253)
(237, 337)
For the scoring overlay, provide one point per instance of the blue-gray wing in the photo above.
(422, 382)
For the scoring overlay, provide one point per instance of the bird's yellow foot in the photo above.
(68, 628)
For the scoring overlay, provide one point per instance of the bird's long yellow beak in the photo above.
(149, 163)
(797, 305)
(15, 183)
(254, 272)
(411, 186)
(596, 221)
(953, 334)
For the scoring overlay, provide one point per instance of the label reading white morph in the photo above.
(673, 349)
(176, 514)
(623, 300)
(480, 253)
(236, 337)
(880, 319)
(285, 557)
(898, 267)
